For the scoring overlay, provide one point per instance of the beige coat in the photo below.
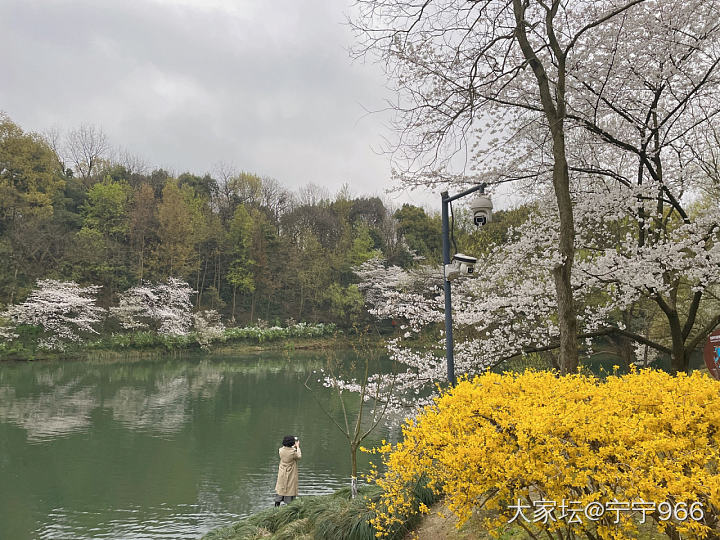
(287, 480)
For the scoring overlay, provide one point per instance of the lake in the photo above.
(167, 447)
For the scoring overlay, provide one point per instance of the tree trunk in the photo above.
(14, 286)
(554, 108)
(623, 348)
(567, 319)
(142, 258)
(202, 283)
(679, 362)
(197, 288)
(353, 476)
(219, 280)
(679, 356)
(234, 294)
(302, 298)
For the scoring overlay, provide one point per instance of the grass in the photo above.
(299, 335)
(338, 517)
(321, 517)
(249, 334)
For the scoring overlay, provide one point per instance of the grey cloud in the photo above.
(267, 86)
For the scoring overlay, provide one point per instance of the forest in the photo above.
(73, 209)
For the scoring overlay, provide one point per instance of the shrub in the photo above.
(322, 517)
(208, 328)
(514, 440)
(209, 331)
(260, 334)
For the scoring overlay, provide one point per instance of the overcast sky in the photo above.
(266, 86)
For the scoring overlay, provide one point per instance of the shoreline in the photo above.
(231, 345)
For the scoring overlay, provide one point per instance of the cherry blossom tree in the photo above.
(208, 327)
(617, 277)
(63, 309)
(416, 298)
(164, 307)
(454, 61)
(376, 390)
(653, 139)
(508, 308)
(6, 331)
(510, 82)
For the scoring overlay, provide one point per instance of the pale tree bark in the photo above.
(554, 109)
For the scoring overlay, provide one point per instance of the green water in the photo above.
(159, 448)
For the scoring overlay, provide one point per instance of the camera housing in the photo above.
(481, 207)
(460, 265)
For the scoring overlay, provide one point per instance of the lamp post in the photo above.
(446, 200)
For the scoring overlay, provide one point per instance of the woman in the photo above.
(286, 487)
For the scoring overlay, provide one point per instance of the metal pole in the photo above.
(449, 354)
(448, 301)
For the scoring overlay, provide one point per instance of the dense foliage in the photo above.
(251, 248)
(202, 338)
(509, 442)
(324, 517)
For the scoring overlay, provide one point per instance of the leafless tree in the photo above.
(53, 138)
(87, 146)
(133, 163)
(276, 198)
(374, 390)
(312, 194)
(224, 172)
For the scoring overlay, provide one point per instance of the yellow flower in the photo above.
(498, 439)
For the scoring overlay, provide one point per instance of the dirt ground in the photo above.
(436, 527)
(441, 524)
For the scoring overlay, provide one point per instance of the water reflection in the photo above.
(164, 407)
(148, 398)
(64, 409)
(167, 448)
(130, 524)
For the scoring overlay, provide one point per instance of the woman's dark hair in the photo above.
(289, 440)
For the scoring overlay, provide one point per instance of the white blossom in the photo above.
(508, 308)
(6, 332)
(165, 307)
(208, 327)
(63, 309)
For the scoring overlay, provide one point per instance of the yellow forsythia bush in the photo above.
(548, 453)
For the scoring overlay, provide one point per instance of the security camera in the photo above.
(481, 207)
(461, 265)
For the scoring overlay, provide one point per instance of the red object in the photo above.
(712, 354)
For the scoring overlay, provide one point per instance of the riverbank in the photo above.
(237, 348)
(251, 339)
(337, 517)
(322, 517)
